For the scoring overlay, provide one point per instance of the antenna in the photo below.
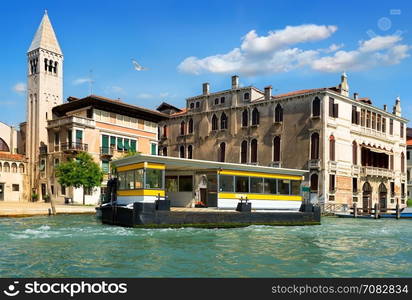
(91, 82)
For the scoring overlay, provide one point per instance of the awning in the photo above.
(377, 150)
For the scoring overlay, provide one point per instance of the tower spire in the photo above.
(45, 37)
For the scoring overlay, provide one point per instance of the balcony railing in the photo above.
(76, 147)
(43, 149)
(106, 151)
(71, 120)
(314, 164)
(377, 172)
(333, 165)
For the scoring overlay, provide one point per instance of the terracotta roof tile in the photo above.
(13, 157)
(182, 112)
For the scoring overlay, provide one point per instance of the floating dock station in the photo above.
(162, 191)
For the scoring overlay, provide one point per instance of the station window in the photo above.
(242, 184)
(270, 186)
(284, 186)
(226, 183)
(154, 178)
(295, 187)
(185, 183)
(256, 185)
(138, 178)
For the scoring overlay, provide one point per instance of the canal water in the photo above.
(79, 246)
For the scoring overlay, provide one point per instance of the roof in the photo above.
(110, 105)
(409, 142)
(165, 105)
(13, 157)
(45, 37)
(175, 163)
(181, 112)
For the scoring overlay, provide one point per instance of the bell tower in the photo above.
(44, 91)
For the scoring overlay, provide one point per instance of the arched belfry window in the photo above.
(255, 116)
(314, 146)
(276, 148)
(243, 152)
(245, 118)
(316, 107)
(278, 113)
(215, 125)
(223, 121)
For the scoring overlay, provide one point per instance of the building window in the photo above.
(190, 152)
(14, 168)
(222, 100)
(214, 123)
(278, 113)
(408, 155)
(402, 129)
(333, 108)
(355, 115)
(332, 148)
(402, 162)
(354, 153)
(197, 104)
(246, 96)
(253, 151)
(255, 116)
(354, 185)
(165, 131)
(314, 178)
(316, 107)
(15, 187)
(363, 116)
(391, 126)
(373, 120)
(223, 121)
(192, 105)
(153, 148)
(182, 128)
(314, 146)
(332, 183)
(88, 191)
(3, 146)
(276, 148)
(243, 152)
(21, 168)
(222, 152)
(190, 126)
(63, 190)
(6, 167)
(164, 150)
(378, 122)
(245, 118)
(383, 125)
(216, 101)
(106, 166)
(182, 151)
(392, 188)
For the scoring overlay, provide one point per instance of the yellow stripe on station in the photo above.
(259, 197)
(141, 166)
(141, 193)
(259, 174)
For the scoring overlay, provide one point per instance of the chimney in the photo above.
(355, 96)
(385, 107)
(344, 86)
(268, 92)
(235, 82)
(397, 108)
(206, 88)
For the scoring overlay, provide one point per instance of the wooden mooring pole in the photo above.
(355, 210)
(376, 212)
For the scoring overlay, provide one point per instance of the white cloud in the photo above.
(276, 52)
(79, 81)
(20, 87)
(145, 96)
(153, 96)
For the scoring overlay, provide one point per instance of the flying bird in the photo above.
(137, 66)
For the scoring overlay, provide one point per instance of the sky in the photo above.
(290, 45)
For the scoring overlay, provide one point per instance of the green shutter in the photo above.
(154, 149)
(105, 144)
(79, 135)
(126, 144)
(112, 141)
(119, 143)
(133, 145)
(105, 166)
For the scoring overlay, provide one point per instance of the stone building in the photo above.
(409, 161)
(355, 152)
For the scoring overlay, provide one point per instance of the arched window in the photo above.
(402, 162)
(216, 101)
(182, 128)
(255, 116)
(278, 113)
(276, 148)
(21, 168)
(354, 153)
(4, 146)
(222, 152)
(6, 167)
(223, 121)
(332, 148)
(246, 96)
(51, 64)
(190, 152)
(165, 130)
(164, 150)
(314, 146)
(222, 100)
(314, 182)
(214, 123)
(55, 67)
(245, 118)
(182, 151)
(190, 126)
(14, 167)
(316, 107)
(46, 64)
(253, 151)
(243, 152)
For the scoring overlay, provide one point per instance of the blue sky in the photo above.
(299, 45)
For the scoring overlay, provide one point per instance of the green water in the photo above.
(79, 246)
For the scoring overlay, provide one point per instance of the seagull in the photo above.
(137, 66)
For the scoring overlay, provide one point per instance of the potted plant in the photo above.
(34, 197)
(46, 198)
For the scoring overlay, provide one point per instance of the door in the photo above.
(365, 203)
(43, 190)
(1, 191)
(203, 196)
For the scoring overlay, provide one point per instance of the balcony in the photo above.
(356, 170)
(314, 164)
(106, 151)
(71, 120)
(74, 147)
(332, 165)
(43, 150)
(377, 172)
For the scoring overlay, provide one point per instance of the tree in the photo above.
(81, 171)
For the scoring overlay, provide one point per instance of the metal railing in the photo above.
(107, 151)
(72, 146)
(378, 172)
(70, 120)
